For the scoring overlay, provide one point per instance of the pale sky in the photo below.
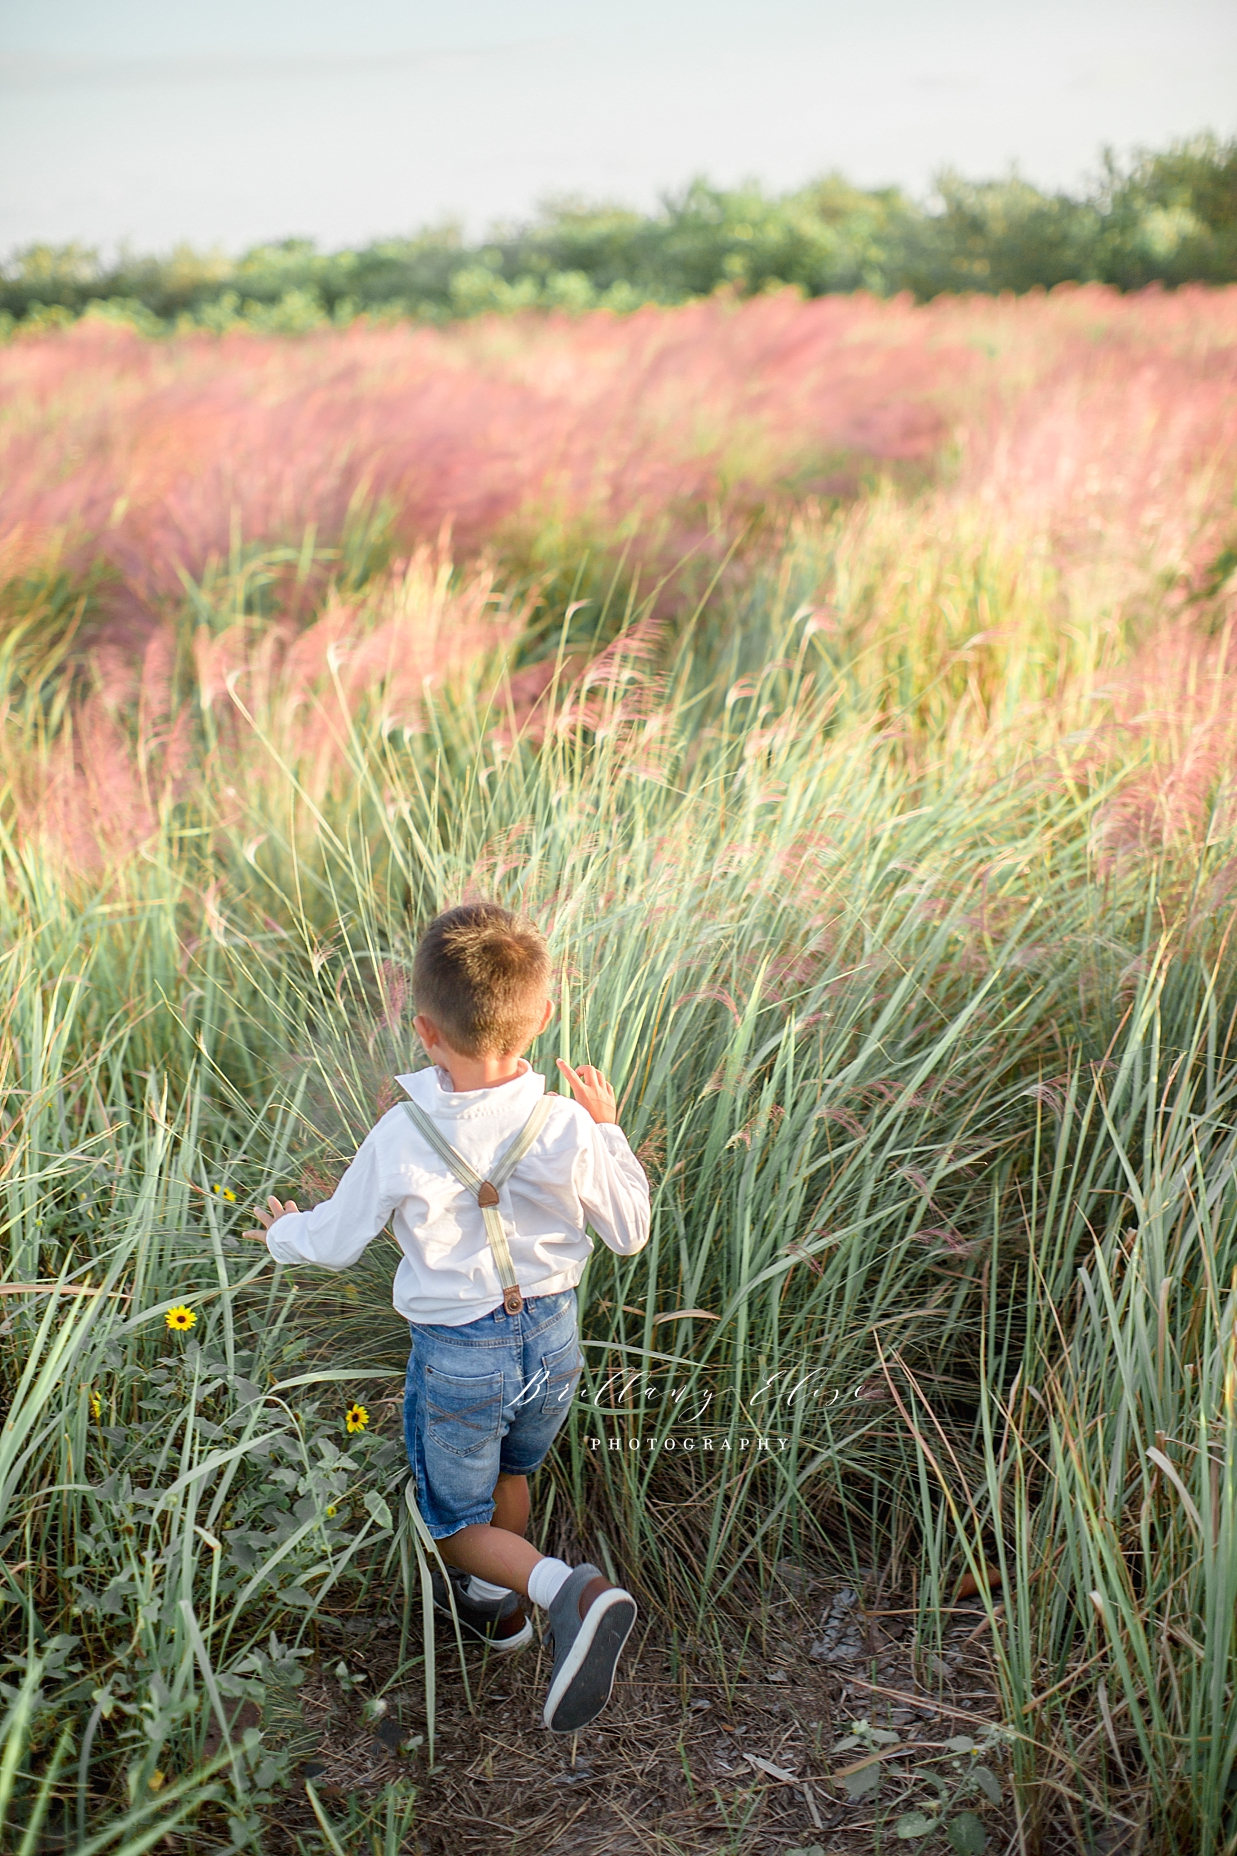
(151, 122)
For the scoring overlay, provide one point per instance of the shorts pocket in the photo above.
(562, 1373)
(462, 1415)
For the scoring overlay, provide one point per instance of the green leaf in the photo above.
(377, 1508)
(961, 1743)
(915, 1824)
(988, 1783)
(967, 1835)
(863, 1783)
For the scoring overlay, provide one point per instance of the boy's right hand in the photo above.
(591, 1090)
(268, 1218)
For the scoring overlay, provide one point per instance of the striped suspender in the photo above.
(485, 1191)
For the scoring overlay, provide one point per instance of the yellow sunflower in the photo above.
(180, 1319)
(356, 1417)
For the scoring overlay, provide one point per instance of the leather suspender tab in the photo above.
(488, 1195)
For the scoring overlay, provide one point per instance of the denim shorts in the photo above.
(483, 1398)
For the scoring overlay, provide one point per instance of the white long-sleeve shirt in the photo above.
(576, 1173)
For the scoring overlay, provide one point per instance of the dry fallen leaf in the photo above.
(774, 1772)
(886, 1752)
(969, 1586)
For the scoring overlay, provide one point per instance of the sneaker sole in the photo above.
(584, 1684)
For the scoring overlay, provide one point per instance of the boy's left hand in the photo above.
(591, 1090)
(268, 1218)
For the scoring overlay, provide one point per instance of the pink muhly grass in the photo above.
(941, 1237)
(1098, 429)
(1082, 410)
(174, 441)
(96, 792)
(396, 993)
(1179, 696)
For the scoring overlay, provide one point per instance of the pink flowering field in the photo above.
(408, 485)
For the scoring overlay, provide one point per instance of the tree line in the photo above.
(1167, 217)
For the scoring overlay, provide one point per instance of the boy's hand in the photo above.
(267, 1219)
(591, 1091)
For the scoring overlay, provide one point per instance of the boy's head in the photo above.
(482, 976)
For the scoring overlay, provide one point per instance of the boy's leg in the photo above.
(589, 1618)
(497, 1551)
(485, 1548)
(500, 1561)
(511, 1511)
(512, 1504)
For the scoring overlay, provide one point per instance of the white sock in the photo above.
(484, 1593)
(547, 1580)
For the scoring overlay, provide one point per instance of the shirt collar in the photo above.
(427, 1091)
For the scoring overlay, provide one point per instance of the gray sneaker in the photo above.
(591, 1621)
(500, 1623)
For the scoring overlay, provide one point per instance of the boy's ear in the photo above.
(546, 1016)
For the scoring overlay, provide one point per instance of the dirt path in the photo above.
(680, 1761)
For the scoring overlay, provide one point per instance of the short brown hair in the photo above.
(481, 973)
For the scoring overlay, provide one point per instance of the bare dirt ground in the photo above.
(681, 1761)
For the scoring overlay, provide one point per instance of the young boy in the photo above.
(487, 1281)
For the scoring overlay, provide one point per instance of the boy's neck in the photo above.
(468, 1073)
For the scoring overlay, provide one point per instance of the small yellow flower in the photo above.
(356, 1417)
(96, 1405)
(224, 1192)
(331, 1511)
(180, 1319)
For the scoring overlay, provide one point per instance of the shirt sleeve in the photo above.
(613, 1188)
(335, 1233)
